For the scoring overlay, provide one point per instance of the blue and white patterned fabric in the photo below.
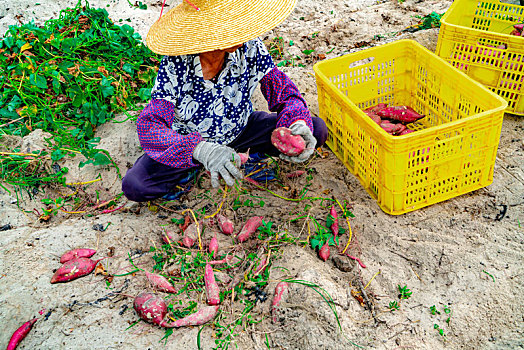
(219, 109)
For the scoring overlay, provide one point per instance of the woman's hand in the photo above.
(300, 128)
(218, 160)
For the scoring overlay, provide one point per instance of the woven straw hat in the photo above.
(217, 24)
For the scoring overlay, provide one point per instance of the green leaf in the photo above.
(57, 155)
(282, 63)
(308, 52)
(38, 81)
(106, 88)
(291, 43)
(128, 68)
(315, 243)
(144, 94)
(330, 220)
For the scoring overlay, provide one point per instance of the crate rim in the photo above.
(478, 31)
(502, 107)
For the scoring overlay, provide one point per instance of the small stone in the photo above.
(342, 263)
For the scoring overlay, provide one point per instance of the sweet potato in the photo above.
(374, 116)
(213, 246)
(261, 267)
(190, 235)
(334, 225)
(77, 253)
(224, 224)
(249, 227)
(376, 108)
(391, 128)
(405, 132)
(151, 308)
(286, 142)
(244, 157)
(73, 269)
(403, 114)
(160, 283)
(280, 290)
(324, 252)
(20, 334)
(212, 290)
(202, 316)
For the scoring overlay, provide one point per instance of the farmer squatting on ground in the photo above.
(201, 113)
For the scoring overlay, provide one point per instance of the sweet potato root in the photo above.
(213, 246)
(402, 114)
(249, 227)
(280, 291)
(77, 253)
(151, 308)
(324, 252)
(224, 224)
(286, 142)
(212, 290)
(334, 225)
(74, 269)
(202, 316)
(20, 334)
(160, 283)
(190, 235)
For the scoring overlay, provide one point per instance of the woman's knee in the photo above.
(134, 188)
(320, 131)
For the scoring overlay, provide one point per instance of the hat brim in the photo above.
(219, 25)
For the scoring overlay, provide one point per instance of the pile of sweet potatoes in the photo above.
(393, 119)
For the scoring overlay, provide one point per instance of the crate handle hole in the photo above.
(361, 62)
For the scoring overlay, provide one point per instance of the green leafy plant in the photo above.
(393, 305)
(404, 292)
(68, 77)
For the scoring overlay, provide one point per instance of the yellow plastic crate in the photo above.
(475, 38)
(453, 149)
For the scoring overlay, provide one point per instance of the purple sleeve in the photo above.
(283, 97)
(162, 143)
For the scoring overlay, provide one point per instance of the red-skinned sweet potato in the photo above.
(151, 308)
(402, 114)
(280, 291)
(74, 269)
(405, 132)
(324, 252)
(391, 128)
(286, 142)
(190, 235)
(20, 334)
(224, 224)
(334, 225)
(249, 227)
(212, 290)
(77, 253)
(213, 246)
(202, 316)
(160, 283)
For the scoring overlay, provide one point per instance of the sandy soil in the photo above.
(465, 253)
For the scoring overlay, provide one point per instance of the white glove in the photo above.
(300, 128)
(218, 159)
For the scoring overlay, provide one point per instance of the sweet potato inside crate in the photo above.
(454, 147)
(475, 37)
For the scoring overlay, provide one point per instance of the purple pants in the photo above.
(149, 179)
